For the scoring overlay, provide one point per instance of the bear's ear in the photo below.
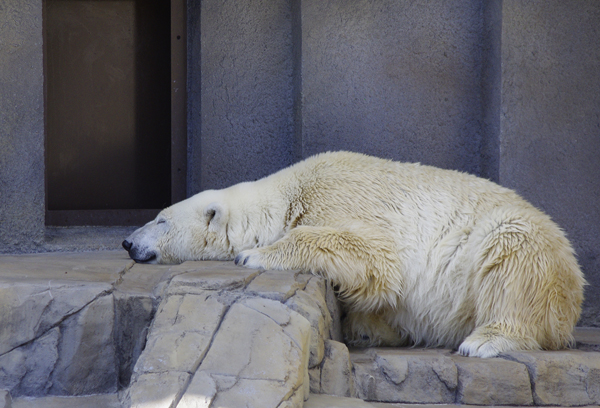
(216, 217)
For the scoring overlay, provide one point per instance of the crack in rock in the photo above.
(40, 331)
(59, 322)
(531, 372)
(281, 323)
(200, 360)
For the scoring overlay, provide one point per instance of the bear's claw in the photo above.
(249, 258)
(238, 259)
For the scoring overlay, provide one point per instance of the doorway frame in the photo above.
(135, 217)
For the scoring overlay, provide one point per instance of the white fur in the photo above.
(420, 255)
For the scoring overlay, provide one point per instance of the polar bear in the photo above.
(421, 255)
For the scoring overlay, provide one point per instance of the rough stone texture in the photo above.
(336, 374)
(277, 286)
(212, 334)
(135, 313)
(73, 324)
(562, 377)
(135, 302)
(57, 323)
(304, 305)
(29, 310)
(52, 288)
(76, 324)
(558, 378)
(260, 354)
(550, 122)
(329, 401)
(192, 277)
(200, 393)
(335, 309)
(395, 375)
(181, 333)
(86, 352)
(140, 280)
(26, 370)
(90, 401)
(5, 399)
(314, 376)
(156, 390)
(225, 330)
(499, 383)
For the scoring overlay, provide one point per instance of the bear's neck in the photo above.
(268, 208)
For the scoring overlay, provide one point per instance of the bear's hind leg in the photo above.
(364, 265)
(528, 291)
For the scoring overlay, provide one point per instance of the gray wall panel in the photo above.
(393, 78)
(245, 65)
(550, 138)
(21, 126)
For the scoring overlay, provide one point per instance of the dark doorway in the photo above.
(109, 141)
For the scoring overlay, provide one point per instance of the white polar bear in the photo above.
(420, 255)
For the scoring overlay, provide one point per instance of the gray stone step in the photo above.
(90, 401)
(330, 401)
(562, 378)
(314, 401)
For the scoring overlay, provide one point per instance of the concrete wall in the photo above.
(394, 79)
(507, 90)
(21, 125)
(242, 91)
(550, 120)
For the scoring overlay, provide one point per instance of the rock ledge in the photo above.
(97, 330)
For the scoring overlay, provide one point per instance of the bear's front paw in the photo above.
(250, 258)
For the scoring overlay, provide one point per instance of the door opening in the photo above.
(113, 137)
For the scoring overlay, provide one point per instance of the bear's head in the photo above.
(193, 229)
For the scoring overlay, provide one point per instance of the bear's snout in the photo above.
(139, 254)
(127, 245)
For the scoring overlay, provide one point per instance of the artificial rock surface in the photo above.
(186, 335)
(211, 334)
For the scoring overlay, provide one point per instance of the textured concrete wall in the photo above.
(21, 125)
(491, 79)
(242, 73)
(550, 137)
(395, 79)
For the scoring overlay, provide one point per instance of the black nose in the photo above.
(127, 245)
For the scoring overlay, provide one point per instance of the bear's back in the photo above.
(337, 185)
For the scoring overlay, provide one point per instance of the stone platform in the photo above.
(97, 330)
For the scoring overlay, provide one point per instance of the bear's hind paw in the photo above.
(486, 342)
